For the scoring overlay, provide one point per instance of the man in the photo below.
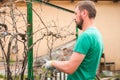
(85, 59)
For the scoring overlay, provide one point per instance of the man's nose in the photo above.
(74, 18)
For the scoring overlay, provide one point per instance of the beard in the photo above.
(80, 24)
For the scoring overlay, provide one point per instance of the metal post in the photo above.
(76, 32)
(30, 40)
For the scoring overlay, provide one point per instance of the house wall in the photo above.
(107, 21)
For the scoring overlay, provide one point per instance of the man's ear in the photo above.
(84, 13)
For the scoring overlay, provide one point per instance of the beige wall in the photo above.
(107, 21)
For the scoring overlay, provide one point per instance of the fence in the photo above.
(58, 76)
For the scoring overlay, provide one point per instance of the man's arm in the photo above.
(71, 65)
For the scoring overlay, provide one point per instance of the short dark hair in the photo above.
(89, 6)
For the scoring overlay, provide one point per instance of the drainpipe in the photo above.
(30, 40)
(55, 6)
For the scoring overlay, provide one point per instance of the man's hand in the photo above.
(48, 64)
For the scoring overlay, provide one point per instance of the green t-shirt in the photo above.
(90, 44)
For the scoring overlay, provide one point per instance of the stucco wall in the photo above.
(107, 21)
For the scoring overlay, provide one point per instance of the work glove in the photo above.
(48, 65)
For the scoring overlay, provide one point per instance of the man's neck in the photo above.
(88, 23)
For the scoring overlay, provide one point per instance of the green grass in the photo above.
(17, 77)
(1, 76)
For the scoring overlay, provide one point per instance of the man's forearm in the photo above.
(64, 66)
(67, 66)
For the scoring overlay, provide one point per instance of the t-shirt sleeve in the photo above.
(83, 44)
